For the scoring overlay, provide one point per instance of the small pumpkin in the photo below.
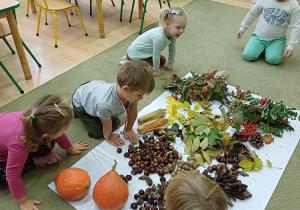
(110, 191)
(72, 183)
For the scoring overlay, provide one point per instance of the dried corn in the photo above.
(152, 125)
(159, 113)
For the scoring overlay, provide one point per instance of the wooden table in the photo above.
(7, 8)
(99, 14)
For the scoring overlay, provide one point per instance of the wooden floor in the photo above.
(73, 46)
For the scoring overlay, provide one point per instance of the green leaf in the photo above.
(269, 163)
(256, 167)
(175, 127)
(257, 160)
(204, 143)
(213, 136)
(246, 164)
(196, 144)
(206, 130)
(206, 157)
(217, 88)
(213, 153)
(199, 159)
(188, 145)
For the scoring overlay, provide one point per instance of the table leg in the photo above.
(18, 43)
(100, 19)
(140, 9)
(32, 5)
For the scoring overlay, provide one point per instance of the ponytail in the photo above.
(170, 14)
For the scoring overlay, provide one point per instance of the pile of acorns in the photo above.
(182, 165)
(151, 198)
(152, 156)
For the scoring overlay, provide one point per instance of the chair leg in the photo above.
(11, 77)
(6, 42)
(46, 18)
(142, 23)
(69, 24)
(39, 21)
(132, 7)
(55, 29)
(160, 4)
(168, 1)
(27, 9)
(30, 53)
(112, 3)
(121, 12)
(80, 18)
(91, 9)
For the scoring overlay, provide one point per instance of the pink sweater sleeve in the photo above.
(63, 141)
(16, 158)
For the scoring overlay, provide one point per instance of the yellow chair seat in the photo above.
(56, 5)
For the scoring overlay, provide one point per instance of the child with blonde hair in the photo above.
(27, 139)
(190, 190)
(269, 36)
(149, 45)
(99, 104)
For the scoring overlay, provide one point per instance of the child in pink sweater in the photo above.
(27, 139)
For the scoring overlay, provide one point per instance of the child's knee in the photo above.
(249, 56)
(274, 60)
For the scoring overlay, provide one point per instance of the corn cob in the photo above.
(152, 125)
(159, 113)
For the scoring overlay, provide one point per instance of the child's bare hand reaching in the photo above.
(78, 147)
(288, 53)
(239, 34)
(30, 204)
(132, 136)
(115, 140)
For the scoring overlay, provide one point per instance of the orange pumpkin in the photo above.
(72, 183)
(110, 191)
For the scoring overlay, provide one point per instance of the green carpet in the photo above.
(209, 43)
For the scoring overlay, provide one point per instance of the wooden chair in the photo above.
(54, 6)
(144, 11)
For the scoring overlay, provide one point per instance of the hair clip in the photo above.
(32, 116)
(57, 107)
(174, 11)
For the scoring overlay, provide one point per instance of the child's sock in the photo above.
(50, 158)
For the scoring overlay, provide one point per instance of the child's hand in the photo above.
(168, 68)
(240, 34)
(115, 140)
(30, 204)
(288, 53)
(156, 73)
(132, 136)
(78, 148)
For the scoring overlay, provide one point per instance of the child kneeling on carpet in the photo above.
(270, 33)
(191, 190)
(27, 139)
(149, 45)
(99, 104)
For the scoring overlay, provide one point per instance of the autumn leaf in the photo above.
(190, 114)
(188, 145)
(213, 153)
(269, 163)
(199, 159)
(197, 107)
(196, 144)
(226, 136)
(246, 164)
(206, 157)
(204, 143)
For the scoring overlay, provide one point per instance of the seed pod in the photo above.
(144, 177)
(168, 153)
(153, 188)
(170, 167)
(166, 171)
(180, 156)
(186, 167)
(149, 181)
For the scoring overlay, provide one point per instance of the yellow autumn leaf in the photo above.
(197, 107)
(269, 163)
(199, 159)
(179, 115)
(174, 110)
(246, 164)
(190, 114)
(226, 136)
(186, 105)
(169, 98)
(170, 121)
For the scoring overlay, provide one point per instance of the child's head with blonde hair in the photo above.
(45, 119)
(190, 190)
(137, 75)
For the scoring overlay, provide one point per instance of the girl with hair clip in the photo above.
(27, 139)
(149, 45)
(190, 190)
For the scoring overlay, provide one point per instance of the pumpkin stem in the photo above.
(114, 166)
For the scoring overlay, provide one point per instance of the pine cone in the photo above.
(257, 140)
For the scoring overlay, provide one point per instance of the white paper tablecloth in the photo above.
(260, 183)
